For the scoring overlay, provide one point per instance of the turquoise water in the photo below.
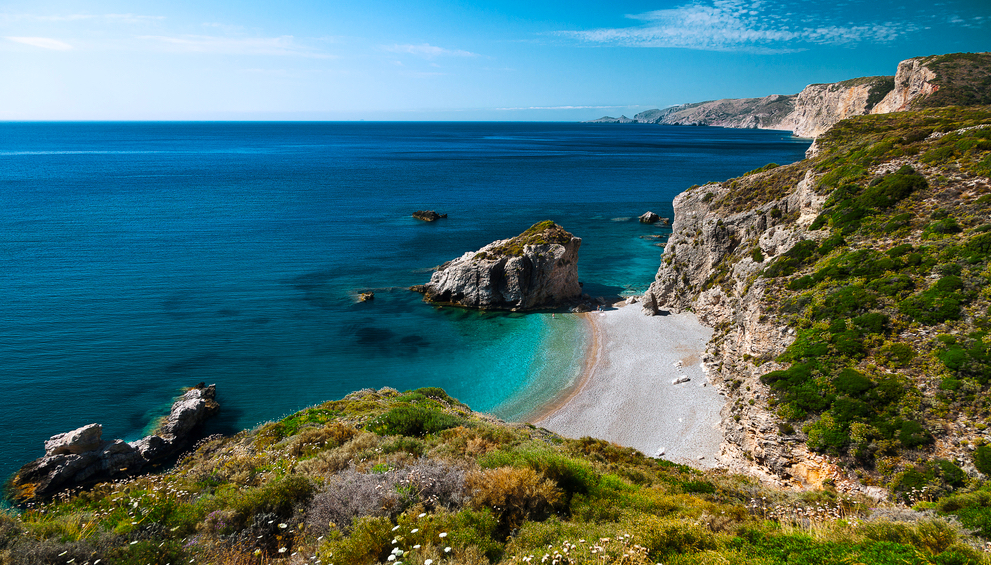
(144, 257)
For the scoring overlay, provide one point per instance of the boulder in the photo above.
(536, 269)
(79, 458)
(80, 440)
(649, 218)
(366, 296)
(428, 215)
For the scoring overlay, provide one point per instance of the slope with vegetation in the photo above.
(417, 478)
(850, 295)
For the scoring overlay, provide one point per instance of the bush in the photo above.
(515, 495)
(664, 537)
(412, 421)
(893, 188)
(982, 459)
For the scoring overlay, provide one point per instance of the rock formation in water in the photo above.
(80, 458)
(941, 80)
(536, 269)
(428, 215)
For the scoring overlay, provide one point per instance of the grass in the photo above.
(479, 492)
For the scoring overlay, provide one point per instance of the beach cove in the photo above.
(627, 394)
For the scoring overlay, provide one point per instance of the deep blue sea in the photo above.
(140, 258)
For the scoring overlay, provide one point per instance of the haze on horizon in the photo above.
(448, 59)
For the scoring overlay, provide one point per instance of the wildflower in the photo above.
(394, 529)
(422, 515)
(133, 542)
(443, 534)
(447, 550)
(391, 558)
(428, 562)
(414, 530)
(282, 550)
(417, 546)
(283, 526)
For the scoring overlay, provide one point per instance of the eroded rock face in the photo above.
(537, 269)
(913, 80)
(80, 458)
(820, 106)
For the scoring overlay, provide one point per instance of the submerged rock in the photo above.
(428, 215)
(536, 269)
(80, 458)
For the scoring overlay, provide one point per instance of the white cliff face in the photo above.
(692, 278)
(913, 80)
(820, 106)
(545, 274)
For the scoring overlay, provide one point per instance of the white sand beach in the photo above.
(627, 397)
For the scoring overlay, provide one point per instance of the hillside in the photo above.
(849, 296)
(416, 477)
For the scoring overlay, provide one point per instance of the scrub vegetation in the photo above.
(416, 477)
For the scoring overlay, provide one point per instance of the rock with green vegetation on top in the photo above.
(536, 269)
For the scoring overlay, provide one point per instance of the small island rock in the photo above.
(536, 269)
(649, 218)
(366, 296)
(428, 215)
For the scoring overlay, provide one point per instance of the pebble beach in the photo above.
(628, 394)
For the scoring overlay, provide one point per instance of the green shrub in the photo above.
(893, 188)
(664, 537)
(982, 459)
(413, 421)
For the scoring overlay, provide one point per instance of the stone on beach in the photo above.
(680, 379)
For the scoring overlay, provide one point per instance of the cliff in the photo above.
(923, 82)
(536, 269)
(847, 294)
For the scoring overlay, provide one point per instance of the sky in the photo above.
(448, 59)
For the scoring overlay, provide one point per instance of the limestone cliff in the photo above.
(791, 265)
(935, 81)
(536, 269)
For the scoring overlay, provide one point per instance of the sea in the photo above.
(143, 257)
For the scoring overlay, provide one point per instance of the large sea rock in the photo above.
(536, 269)
(81, 457)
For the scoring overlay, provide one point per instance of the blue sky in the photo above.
(447, 59)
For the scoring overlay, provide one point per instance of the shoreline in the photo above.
(592, 357)
(625, 394)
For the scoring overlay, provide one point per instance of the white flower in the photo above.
(392, 558)
(283, 526)
(422, 515)
(428, 562)
(414, 530)
(133, 542)
(447, 550)
(417, 546)
(394, 529)
(282, 550)
(443, 534)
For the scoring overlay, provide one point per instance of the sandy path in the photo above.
(627, 395)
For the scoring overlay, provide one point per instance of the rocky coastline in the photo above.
(81, 458)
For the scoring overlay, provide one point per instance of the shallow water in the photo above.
(144, 257)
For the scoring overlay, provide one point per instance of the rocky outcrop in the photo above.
(428, 215)
(649, 218)
(537, 269)
(764, 113)
(81, 458)
(913, 80)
